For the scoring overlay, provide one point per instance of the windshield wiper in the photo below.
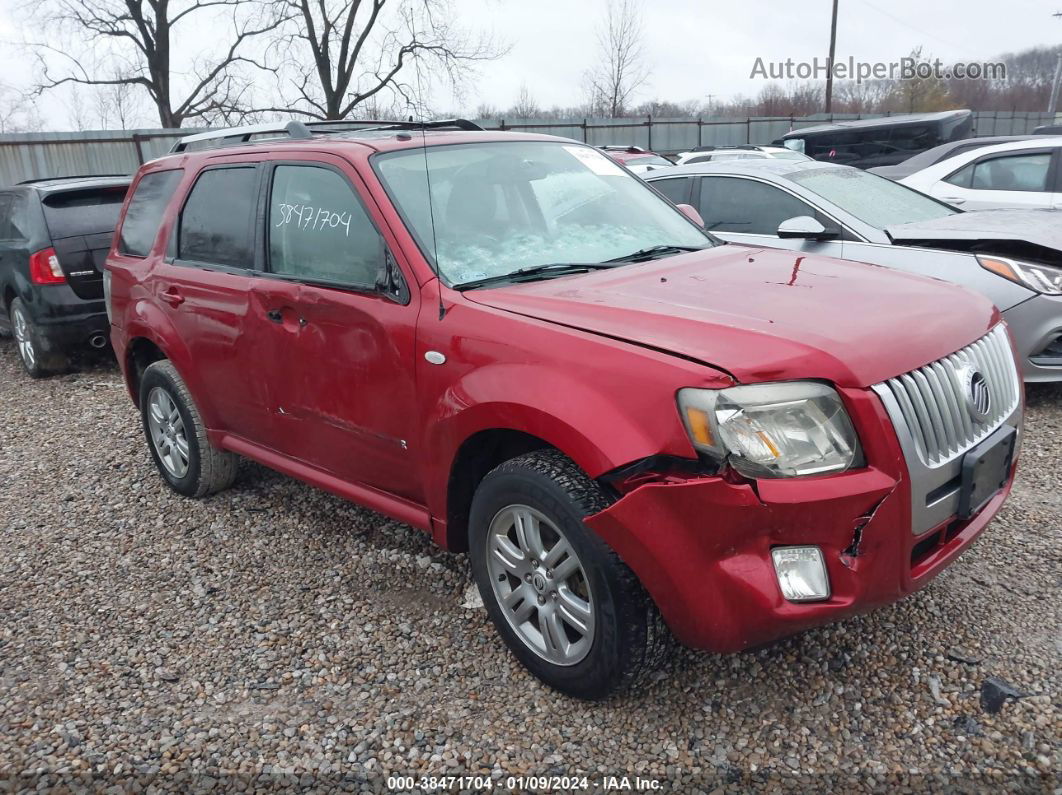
(653, 252)
(534, 273)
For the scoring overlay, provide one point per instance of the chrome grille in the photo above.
(934, 403)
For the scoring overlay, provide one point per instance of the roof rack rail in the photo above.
(621, 148)
(35, 180)
(301, 130)
(715, 147)
(441, 124)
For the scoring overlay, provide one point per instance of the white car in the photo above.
(1020, 175)
(715, 154)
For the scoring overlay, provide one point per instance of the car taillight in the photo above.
(44, 267)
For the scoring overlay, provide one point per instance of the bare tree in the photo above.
(525, 107)
(77, 110)
(130, 43)
(118, 106)
(17, 111)
(868, 96)
(920, 94)
(342, 58)
(622, 69)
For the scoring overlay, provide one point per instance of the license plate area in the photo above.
(985, 470)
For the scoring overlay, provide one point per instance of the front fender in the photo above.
(599, 428)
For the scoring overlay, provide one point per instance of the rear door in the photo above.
(345, 342)
(81, 223)
(204, 287)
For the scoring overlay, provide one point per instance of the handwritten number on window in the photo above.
(312, 219)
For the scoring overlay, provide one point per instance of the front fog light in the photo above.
(801, 573)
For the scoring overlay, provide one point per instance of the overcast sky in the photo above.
(700, 47)
(693, 47)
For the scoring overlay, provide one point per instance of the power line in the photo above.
(908, 25)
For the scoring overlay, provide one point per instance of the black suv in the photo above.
(54, 236)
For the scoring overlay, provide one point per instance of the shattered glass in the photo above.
(498, 207)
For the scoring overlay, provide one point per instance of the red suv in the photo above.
(508, 341)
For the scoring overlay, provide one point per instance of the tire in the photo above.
(177, 437)
(605, 633)
(35, 360)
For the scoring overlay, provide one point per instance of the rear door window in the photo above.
(216, 222)
(729, 204)
(83, 212)
(142, 218)
(15, 226)
(318, 229)
(8, 229)
(1020, 172)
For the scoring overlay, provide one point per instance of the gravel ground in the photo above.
(274, 636)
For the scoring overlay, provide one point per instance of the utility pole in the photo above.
(833, 52)
(1052, 105)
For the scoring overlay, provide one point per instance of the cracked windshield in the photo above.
(499, 207)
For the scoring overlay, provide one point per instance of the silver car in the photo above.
(1012, 256)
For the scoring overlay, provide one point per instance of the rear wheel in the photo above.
(177, 436)
(563, 601)
(31, 353)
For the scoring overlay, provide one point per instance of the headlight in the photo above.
(772, 430)
(1042, 278)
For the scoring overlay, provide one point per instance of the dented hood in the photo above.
(763, 314)
(1041, 228)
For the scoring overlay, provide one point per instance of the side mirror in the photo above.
(389, 279)
(805, 227)
(690, 212)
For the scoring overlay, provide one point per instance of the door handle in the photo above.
(275, 315)
(954, 200)
(173, 297)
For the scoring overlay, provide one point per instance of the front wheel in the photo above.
(565, 604)
(177, 436)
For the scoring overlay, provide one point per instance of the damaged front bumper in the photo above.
(702, 545)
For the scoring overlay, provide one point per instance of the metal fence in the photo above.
(668, 135)
(36, 155)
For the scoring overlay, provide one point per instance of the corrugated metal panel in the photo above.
(675, 135)
(39, 155)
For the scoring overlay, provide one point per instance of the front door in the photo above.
(347, 396)
(748, 211)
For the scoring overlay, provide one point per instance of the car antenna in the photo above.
(431, 203)
(431, 218)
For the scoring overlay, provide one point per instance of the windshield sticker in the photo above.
(597, 162)
(303, 216)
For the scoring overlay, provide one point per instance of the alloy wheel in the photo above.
(23, 338)
(540, 584)
(167, 432)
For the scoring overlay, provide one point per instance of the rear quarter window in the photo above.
(83, 212)
(13, 223)
(142, 219)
